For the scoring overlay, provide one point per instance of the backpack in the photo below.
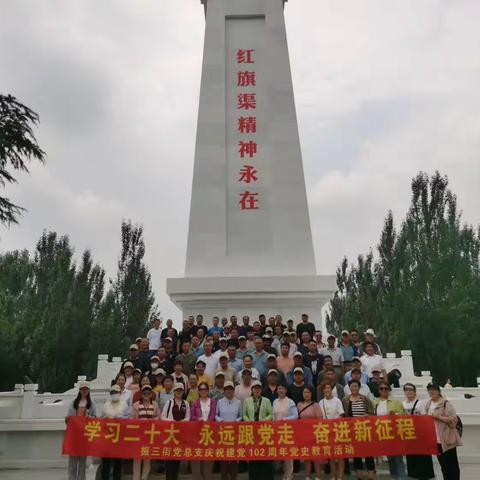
(459, 425)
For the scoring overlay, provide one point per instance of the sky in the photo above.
(383, 90)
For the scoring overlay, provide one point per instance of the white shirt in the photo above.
(431, 409)
(364, 390)
(370, 362)
(211, 363)
(115, 409)
(419, 407)
(153, 336)
(336, 354)
(126, 396)
(218, 353)
(242, 392)
(205, 407)
(332, 408)
(382, 408)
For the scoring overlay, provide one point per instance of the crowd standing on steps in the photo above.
(260, 371)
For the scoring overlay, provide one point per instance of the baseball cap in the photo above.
(179, 386)
(83, 384)
(298, 370)
(272, 371)
(219, 374)
(256, 384)
(228, 384)
(369, 331)
(159, 371)
(356, 358)
(146, 387)
(298, 354)
(247, 370)
(345, 332)
(115, 388)
(223, 355)
(128, 364)
(154, 356)
(223, 339)
(272, 355)
(202, 362)
(242, 337)
(133, 346)
(331, 336)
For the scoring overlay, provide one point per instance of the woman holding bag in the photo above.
(448, 437)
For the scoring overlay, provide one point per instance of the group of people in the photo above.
(262, 371)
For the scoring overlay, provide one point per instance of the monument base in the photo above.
(289, 296)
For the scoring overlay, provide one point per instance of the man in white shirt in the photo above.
(211, 362)
(244, 389)
(372, 361)
(335, 352)
(356, 374)
(248, 364)
(154, 337)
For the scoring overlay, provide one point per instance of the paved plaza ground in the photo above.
(469, 472)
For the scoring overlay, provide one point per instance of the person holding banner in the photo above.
(115, 407)
(309, 409)
(228, 409)
(384, 405)
(418, 466)
(258, 409)
(82, 406)
(144, 409)
(176, 409)
(284, 409)
(203, 410)
(332, 408)
(448, 437)
(357, 405)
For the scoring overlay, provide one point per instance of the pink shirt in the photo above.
(285, 364)
(312, 411)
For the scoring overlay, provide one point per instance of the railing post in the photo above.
(28, 404)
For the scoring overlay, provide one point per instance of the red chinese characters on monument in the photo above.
(247, 125)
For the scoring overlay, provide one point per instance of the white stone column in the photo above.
(250, 246)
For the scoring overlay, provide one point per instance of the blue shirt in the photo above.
(307, 376)
(218, 329)
(348, 352)
(228, 410)
(260, 361)
(348, 377)
(236, 364)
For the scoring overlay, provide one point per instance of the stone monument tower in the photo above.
(250, 245)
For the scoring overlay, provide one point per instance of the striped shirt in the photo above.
(358, 408)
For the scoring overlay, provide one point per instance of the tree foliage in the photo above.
(18, 147)
(56, 317)
(422, 291)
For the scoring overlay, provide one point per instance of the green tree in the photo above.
(18, 146)
(423, 290)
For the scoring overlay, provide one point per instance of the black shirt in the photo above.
(306, 327)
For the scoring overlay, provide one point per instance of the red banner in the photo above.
(299, 439)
